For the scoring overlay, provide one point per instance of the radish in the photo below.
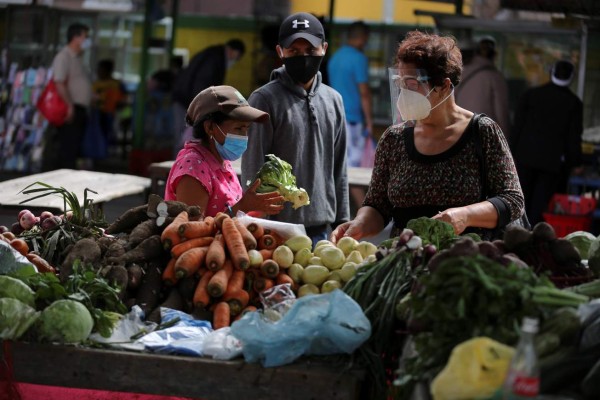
(44, 215)
(27, 219)
(23, 211)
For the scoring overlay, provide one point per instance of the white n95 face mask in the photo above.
(413, 105)
(416, 106)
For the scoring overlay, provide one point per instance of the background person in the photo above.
(546, 141)
(202, 174)
(206, 68)
(349, 74)
(74, 85)
(109, 95)
(483, 88)
(306, 128)
(432, 168)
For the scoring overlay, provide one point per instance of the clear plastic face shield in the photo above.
(409, 89)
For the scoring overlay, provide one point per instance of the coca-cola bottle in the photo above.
(523, 378)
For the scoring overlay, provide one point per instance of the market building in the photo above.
(116, 283)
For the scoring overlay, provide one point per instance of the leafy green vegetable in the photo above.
(439, 233)
(16, 289)
(582, 241)
(470, 296)
(84, 285)
(276, 176)
(15, 318)
(65, 321)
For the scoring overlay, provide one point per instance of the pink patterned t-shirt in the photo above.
(220, 181)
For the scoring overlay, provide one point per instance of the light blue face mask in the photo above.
(233, 147)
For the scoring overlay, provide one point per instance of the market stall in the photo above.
(167, 301)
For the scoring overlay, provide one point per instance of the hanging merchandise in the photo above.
(21, 134)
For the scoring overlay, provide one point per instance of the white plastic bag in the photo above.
(222, 345)
(285, 229)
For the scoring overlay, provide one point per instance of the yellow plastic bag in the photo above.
(475, 370)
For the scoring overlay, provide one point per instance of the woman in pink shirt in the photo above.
(202, 174)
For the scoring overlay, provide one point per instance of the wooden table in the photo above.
(360, 177)
(106, 185)
(198, 377)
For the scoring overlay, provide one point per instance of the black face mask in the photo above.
(302, 68)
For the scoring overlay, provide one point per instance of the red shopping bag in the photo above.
(52, 106)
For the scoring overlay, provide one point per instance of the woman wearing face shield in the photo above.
(202, 173)
(429, 162)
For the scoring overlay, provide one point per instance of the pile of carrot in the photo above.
(215, 251)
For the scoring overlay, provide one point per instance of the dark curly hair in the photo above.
(438, 55)
(198, 127)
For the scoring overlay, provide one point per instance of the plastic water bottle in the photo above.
(523, 378)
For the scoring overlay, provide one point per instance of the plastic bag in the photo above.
(322, 324)
(285, 229)
(52, 106)
(368, 157)
(277, 301)
(127, 327)
(222, 345)
(185, 337)
(11, 260)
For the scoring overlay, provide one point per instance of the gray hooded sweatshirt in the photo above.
(308, 131)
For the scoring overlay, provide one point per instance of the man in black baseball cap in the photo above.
(307, 127)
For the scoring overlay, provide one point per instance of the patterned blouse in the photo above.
(406, 184)
(220, 181)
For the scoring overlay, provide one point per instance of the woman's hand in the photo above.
(352, 228)
(267, 203)
(457, 217)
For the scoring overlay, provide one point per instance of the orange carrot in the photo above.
(218, 283)
(249, 240)
(180, 248)
(269, 268)
(168, 275)
(201, 297)
(268, 242)
(41, 264)
(215, 258)
(190, 261)
(195, 229)
(261, 284)
(219, 219)
(266, 254)
(237, 301)
(235, 245)
(236, 281)
(283, 278)
(221, 315)
(256, 229)
(245, 311)
(170, 235)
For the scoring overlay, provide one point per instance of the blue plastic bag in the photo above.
(329, 323)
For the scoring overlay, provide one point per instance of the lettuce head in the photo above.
(276, 176)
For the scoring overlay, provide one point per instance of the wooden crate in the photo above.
(123, 371)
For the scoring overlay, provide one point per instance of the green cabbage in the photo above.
(16, 289)
(65, 321)
(15, 318)
(276, 176)
(582, 241)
